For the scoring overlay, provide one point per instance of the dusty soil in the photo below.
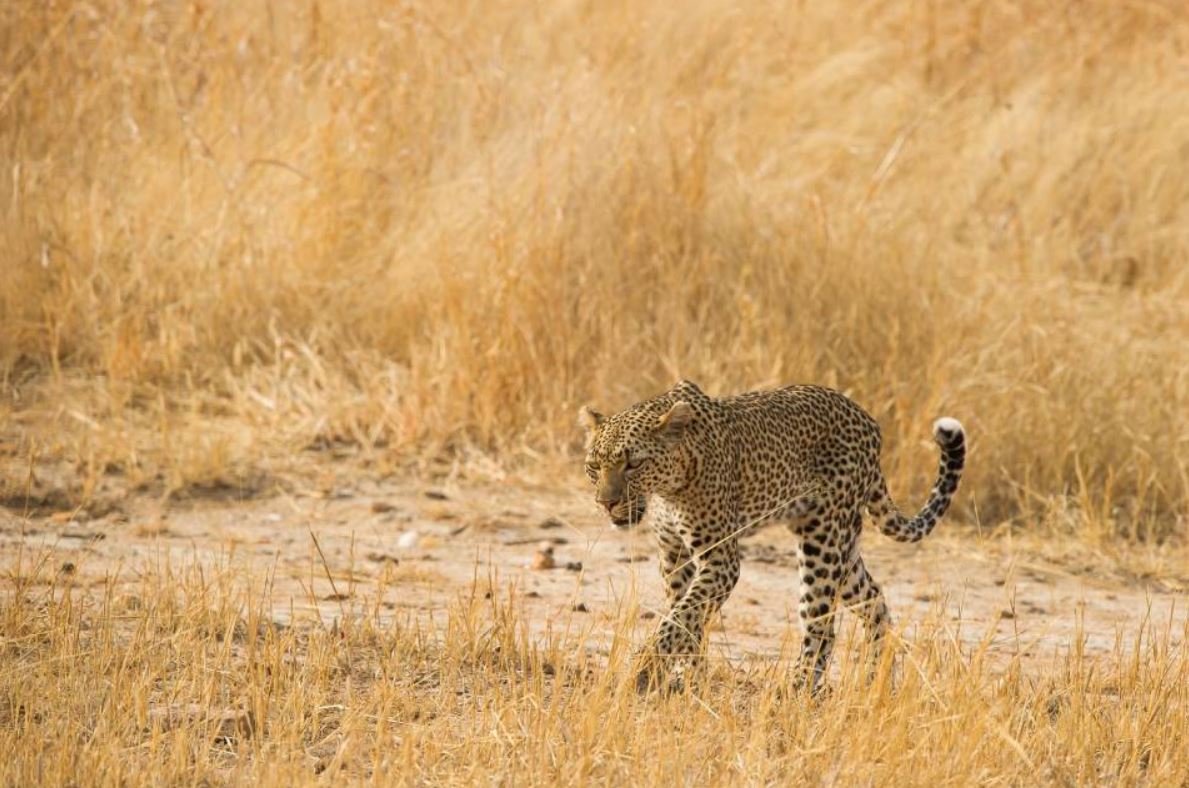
(428, 544)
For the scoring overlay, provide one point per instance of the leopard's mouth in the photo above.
(628, 514)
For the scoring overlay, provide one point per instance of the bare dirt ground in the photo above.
(332, 552)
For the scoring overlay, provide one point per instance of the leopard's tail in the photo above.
(952, 439)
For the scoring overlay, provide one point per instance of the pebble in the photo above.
(543, 558)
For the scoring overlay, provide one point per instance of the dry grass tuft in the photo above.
(230, 232)
(191, 679)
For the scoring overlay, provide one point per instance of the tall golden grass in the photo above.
(230, 230)
(186, 678)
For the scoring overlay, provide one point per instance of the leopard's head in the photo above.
(636, 453)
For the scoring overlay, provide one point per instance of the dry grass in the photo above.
(89, 674)
(231, 230)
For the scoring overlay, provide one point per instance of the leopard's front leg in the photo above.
(677, 643)
(677, 565)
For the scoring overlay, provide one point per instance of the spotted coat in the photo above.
(710, 469)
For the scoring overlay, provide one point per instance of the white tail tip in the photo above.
(946, 428)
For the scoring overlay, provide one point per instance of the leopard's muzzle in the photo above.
(626, 512)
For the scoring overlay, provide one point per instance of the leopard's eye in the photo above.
(592, 467)
(635, 462)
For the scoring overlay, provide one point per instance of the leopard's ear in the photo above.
(673, 423)
(590, 419)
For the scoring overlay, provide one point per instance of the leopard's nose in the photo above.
(610, 505)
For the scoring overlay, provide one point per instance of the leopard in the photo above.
(707, 470)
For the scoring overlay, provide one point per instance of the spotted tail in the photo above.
(952, 439)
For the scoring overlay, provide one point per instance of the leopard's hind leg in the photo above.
(862, 595)
(822, 554)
